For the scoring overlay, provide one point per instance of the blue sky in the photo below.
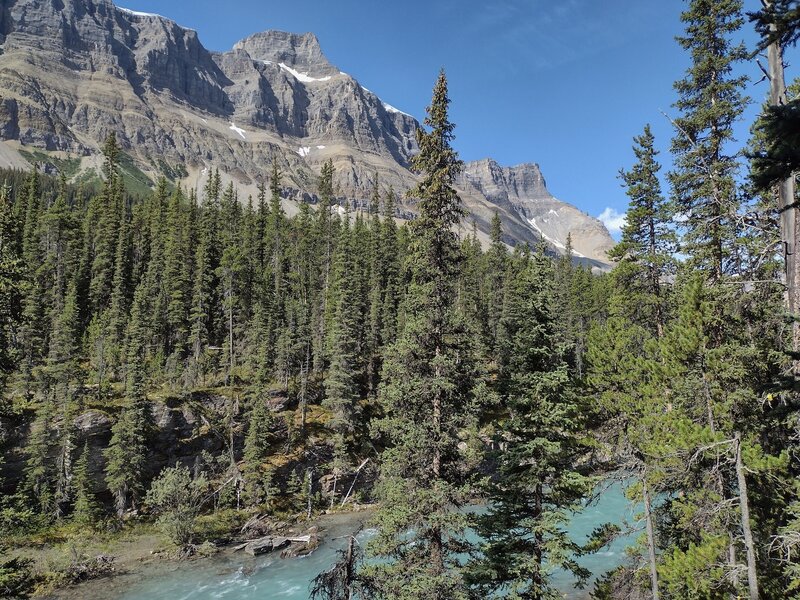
(565, 84)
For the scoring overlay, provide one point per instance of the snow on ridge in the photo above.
(302, 77)
(320, 147)
(389, 108)
(304, 151)
(386, 106)
(555, 243)
(139, 13)
(238, 130)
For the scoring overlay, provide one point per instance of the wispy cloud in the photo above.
(545, 34)
(613, 220)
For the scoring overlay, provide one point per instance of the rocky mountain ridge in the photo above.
(73, 71)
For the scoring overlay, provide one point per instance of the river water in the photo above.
(241, 577)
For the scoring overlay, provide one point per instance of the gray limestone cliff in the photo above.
(73, 71)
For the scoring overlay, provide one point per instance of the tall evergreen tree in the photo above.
(176, 275)
(341, 389)
(204, 284)
(710, 100)
(538, 480)
(424, 395)
(324, 241)
(33, 326)
(495, 260)
(107, 210)
(85, 510)
(259, 434)
(645, 252)
(11, 271)
(127, 452)
(392, 260)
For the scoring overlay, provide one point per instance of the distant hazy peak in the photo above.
(524, 180)
(301, 51)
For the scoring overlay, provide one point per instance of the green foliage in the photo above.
(537, 482)
(645, 252)
(17, 579)
(256, 450)
(86, 509)
(11, 273)
(692, 573)
(66, 167)
(177, 498)
(710, 100)
(427, 380)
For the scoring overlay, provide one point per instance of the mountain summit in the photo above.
(73, 71)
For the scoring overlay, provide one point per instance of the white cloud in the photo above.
(612, 220)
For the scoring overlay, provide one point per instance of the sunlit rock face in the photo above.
(73, 71)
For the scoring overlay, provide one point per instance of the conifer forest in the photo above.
(254, 367)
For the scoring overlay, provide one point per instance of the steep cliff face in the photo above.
(73, 71)
(522, 190)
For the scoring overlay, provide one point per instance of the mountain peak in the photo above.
(296, 50)
(274, 97)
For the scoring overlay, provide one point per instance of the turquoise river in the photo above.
(234, 576)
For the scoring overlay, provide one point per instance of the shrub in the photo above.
(177, 499)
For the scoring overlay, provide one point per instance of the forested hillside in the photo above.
(201, 359)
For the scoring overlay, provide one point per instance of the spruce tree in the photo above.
(204, 285)
(176, 276)
(538, 481)
(33, 326)
(86, 510)
(256, 450)
(424, 394)
(108, 208)
(645, 252)
(391, 261)
(275, 274)
(496, 258)
(710, 101)
(11, 272)
(341, 390)
(260, 420)
(324, 238)
(61, 380)
(127, 451)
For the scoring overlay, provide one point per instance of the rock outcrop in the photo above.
(73, 71)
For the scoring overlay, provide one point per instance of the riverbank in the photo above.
(142, 558)
(237, 576)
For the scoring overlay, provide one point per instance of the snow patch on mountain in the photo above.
(555, 243)
(302, 77)
(139, 14)
(238, 130)
(389, 108)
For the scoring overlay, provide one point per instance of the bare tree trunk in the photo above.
(651, 542)
(789, 222)
(230, 337)
(310, 492)
(538, 554)
(752, 578)
(335, 481)
(437, 550)
(303, 389)
(718, 475)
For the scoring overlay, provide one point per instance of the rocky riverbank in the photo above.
(142, 558)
